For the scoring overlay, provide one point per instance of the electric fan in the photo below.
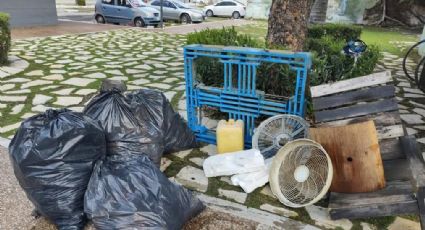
(301, 173)
(273, 133)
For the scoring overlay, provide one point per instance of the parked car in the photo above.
(176, 10)
(133, 12)
(227, 8)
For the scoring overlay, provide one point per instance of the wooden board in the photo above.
(395, 199)
(363, 95)
(356, 158)
(351, 84)
(356, 110)
(381, 119)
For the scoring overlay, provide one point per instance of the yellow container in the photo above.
(229, 136)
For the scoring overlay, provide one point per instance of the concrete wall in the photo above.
(30, 12)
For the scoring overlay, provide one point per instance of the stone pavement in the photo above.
(66, 71)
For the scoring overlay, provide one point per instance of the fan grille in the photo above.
(301, 173)
(276, 131)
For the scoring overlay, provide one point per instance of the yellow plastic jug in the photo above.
(229, 136)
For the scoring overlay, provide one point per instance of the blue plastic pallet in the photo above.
(240, 100)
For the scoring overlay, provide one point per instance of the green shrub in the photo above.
(330, 64)
(80, 2)
(337, 31)
(4, 38)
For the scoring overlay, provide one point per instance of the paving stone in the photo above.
(419, 111)
(9, 128)
(77, 108)
(322, 218)
(410, 90)
(278, 210)
(54, 77)
(6, 87)
(27, 115)
(67, 101)
(2, 106)
(169, 95)
(96, 75)
(209, 149)
(140, 81)
(412, 119)
(267, 191)
(35, 73)
(239, 197)
(40, 108)
(165, 162)
(21, 91)
(119, 78)
(133, 71)
(413, 95)
(193, 178)
(114, 72)
(76, 81)
(13, 98)
(411, 131)
(182, 154)
(160, 85)
(35, 83)
(226, 179)
(197, 160)
(170, 79)
(18, 80)
(50, 87)
(405, 224)
(367, 226)
(64, 92)
(421, 127)
(17, 109)
(421, 140)
(85, 92)
(416, 104)
(57, 71)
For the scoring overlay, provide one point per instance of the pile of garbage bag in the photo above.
(104, 163)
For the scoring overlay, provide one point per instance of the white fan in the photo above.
(273, 133)
(301, 173)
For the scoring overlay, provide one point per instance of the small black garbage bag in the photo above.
(128, 191)
(53, 155)
(142, 121)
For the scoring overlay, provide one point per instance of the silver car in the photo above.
(176, 10)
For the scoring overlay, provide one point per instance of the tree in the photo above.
(288, 23)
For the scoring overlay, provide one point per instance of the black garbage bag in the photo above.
(176, 133)
(142, 122)
(128, 191)
(53, 155)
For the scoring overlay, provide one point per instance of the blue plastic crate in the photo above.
(239, 97)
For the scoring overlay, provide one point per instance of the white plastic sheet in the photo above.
(234, 163)
(251, 181)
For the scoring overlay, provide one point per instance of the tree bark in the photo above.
(288, 22)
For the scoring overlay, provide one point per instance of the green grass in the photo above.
(383, 37)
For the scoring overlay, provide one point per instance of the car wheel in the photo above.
(236, 15)
(100, 19)
(138, 22)
(185, 19)
(210, 13)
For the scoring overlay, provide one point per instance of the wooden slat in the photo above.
(356, 110)
(382, 119)
(346, 98)
(416, 162)
(391, 149)
(396, 198)
(397, 170)
(351, 84)
(389, 132)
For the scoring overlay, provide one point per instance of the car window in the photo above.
(156, 3)
(121, 3)
(231, 4)
(110, 2)
(169, 4)
(181, 5)
(220, 4)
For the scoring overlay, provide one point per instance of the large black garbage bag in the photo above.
(176, 134)
(122, 128)
(142, 121)
(129, 192)
(53, 155)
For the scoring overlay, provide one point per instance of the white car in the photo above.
(228, 8)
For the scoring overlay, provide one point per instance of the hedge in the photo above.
(337, 31)
(80, 2)
(4, 38)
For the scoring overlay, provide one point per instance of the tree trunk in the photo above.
(288, 23)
